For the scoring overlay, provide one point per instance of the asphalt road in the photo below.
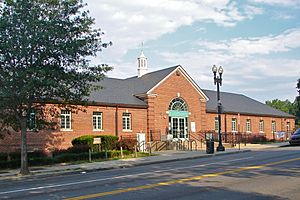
(268, 174)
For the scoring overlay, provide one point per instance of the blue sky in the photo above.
(256, 41)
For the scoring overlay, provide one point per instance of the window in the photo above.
(273, 126)
(97, 120)
(126, 121)
(65, 119)
(31, 121)
(233, 125)
(216, 124)
(178, 104)
(248, 125)
(261, 126)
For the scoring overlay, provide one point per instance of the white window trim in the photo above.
(248, 131)
(263, 126)
(234, 120)
(127, 131)
(101, 129)
(130, 122)
(66, 129)
(273, 125)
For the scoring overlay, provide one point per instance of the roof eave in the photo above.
(251, 114)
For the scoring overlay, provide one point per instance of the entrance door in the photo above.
(178, 127)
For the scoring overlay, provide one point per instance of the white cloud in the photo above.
(242, 47)
(278, 2)
(128, 23)
(244, 70)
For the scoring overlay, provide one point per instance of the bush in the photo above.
(40, 161)
(37, 154)
(127, 144)
(57, 152)
(68, 157)
(83, 140)
(82, 148)
(255, 139)
(3, 156)
(12, 164)
(107, 141)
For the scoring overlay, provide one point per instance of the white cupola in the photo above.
(142, 65)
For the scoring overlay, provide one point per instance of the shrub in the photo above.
(12, 164)
(68, 157)
(82, 148)
(57, 152)
(40, 161)
(3, 156)
(37, 154)
(107, 141)
(83, 140)
(127, 144)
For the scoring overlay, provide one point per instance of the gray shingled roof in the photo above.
(238, 103)
(122, 91)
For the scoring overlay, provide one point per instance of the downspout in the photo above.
(225, 120)
(116, 121)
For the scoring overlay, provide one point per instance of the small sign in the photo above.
(97, 141)
(280, 135)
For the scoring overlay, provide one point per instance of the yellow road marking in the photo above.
(166, 183)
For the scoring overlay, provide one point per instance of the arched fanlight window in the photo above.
(178, 104)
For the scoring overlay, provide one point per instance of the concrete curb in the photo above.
(58, 172)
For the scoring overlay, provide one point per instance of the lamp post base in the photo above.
(220, 148)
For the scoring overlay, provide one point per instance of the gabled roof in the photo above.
(123, 91)
(115, 92)
(238, 103)
(146, 82)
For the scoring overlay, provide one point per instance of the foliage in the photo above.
(44, 47)
(296, 109)
(70, 157)
(127, 144)
(107, 141)
(285, 106)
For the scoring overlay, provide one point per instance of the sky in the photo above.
(257, 42)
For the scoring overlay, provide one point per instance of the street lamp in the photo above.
(218, 82)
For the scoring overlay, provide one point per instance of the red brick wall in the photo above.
(280, 123)
(81, 125)
(175, 85)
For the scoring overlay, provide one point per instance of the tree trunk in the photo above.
(24, 158)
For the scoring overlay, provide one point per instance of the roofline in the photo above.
(251, 114)
(187, 76)
(117, 105)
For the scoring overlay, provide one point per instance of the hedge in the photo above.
(69, 157)
(107, 141)
(62, 158)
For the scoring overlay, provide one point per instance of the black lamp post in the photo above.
(218, 82)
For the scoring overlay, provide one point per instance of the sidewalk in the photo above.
(160, 157)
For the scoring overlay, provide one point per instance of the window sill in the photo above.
(66, 130)
(127, 131)
(98, 130)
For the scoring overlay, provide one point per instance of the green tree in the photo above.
(44, 50)
(296, 105)
(285, 106)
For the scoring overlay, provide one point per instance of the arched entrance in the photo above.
(178, 118)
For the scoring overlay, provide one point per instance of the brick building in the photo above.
(154, 105)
